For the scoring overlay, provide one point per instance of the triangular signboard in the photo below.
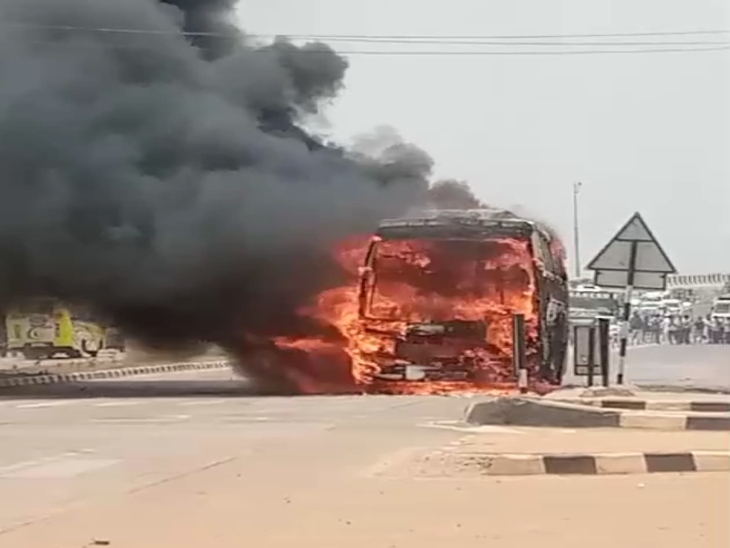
(650, 263)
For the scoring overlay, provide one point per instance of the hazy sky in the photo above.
(643, 132)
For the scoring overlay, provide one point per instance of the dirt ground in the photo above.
(317, 496)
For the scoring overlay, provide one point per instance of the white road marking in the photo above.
(477, 429)
(41, 404)
(196, 403)
(34, 462)
(67, 467)
(117, 403)
(137, 420)
(244, 418)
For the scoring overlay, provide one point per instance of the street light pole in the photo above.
(576, 229)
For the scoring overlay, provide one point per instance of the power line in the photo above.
(394, 53)
(534, 43)
(433, 39)
(616, 47)
(675, 43)
(388, 37)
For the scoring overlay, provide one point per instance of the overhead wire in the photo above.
(515, 43)
(373, 37)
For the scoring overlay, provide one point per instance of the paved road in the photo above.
(308, 472)
(703, 366)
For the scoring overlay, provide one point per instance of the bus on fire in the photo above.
(438, 292)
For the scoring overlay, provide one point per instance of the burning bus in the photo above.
(437, 295)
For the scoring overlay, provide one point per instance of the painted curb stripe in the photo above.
(604, 464)
(110, 373)
(560, 414)
(656, 405)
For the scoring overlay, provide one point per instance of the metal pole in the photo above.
(576, 229)
(604, 336)
(627, 314)
(591, 354)
(518, 351)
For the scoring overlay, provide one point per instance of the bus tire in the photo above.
(88, 352)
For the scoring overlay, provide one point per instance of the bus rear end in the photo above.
(437, 300)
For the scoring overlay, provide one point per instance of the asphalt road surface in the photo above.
(696, 366)
(192, 459)
(194, 472)
(685, 366)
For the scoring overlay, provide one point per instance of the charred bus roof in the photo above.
(459, 223)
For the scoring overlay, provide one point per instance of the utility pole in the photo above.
(576, 229)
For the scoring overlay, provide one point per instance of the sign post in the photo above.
(519, 360)
(632, 259)
(604, 342)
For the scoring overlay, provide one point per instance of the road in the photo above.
(311, 471)
(699, 366)
(189, 459)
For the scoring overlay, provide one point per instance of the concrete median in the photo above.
(529, 464)
(656, 405)
(534, 412)
(526, 411)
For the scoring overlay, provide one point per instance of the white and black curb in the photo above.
(557, 414)
(35, 380)
(656, 405)
(525, 464)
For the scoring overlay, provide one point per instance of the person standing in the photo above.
(698, 335)
(685, 329)
(636, 328)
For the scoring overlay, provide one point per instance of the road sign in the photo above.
(632, 258)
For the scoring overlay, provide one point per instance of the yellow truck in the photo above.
(46, 328)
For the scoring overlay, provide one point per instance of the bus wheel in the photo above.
(91, 352)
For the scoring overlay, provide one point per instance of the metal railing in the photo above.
(717, 279)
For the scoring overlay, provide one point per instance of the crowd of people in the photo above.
(678, 329)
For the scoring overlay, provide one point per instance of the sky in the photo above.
(641, 132)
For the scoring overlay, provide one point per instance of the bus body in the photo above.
(438, 293)
(45, 328)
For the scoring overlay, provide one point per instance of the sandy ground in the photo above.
(225, 507)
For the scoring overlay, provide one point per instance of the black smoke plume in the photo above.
(452, 194)
(153, 166)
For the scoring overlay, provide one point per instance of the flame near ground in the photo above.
(477, 282)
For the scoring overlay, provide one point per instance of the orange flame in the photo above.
(483, 283)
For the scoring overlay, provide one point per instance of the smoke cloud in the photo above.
(164, 179)
(452, 194)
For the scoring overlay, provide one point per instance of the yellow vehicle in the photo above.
(46, 328)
